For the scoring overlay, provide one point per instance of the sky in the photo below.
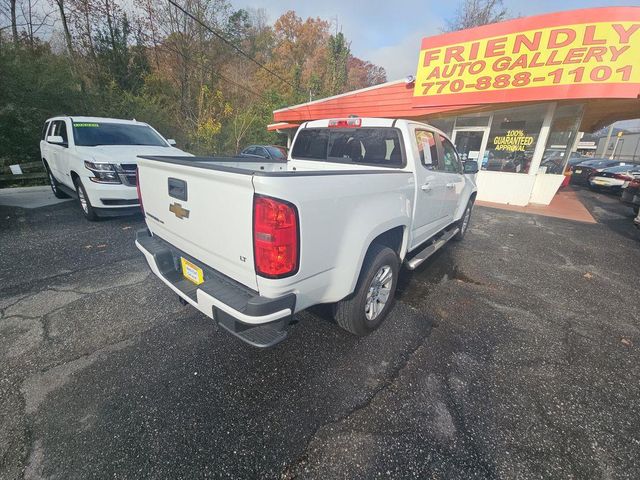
(388, 33)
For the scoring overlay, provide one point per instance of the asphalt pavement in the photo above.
(513, 354)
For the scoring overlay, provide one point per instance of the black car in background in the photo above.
(581, 172)
(555, 162)
(614, 179)
(631, 194)
(269, 152)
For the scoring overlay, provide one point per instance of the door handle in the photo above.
(426, 187)
(451, 185)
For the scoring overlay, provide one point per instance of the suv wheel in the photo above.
(54, 184)
(364, 310)
(85, 204)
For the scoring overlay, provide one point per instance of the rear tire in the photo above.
(463, 223)
(85, 204)
(364, 310)
(54, 184)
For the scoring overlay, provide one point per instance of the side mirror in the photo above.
(57, 139)
(171, 142)
(470, 166)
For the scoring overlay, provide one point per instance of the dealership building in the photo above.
(513, 96)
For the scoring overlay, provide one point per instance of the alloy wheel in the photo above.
(379, 291)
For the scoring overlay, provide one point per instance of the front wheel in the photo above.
(463, 223)
(364, 310)
(54, 184)
(85, 204)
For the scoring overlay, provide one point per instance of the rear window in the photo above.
(599, 163)
(369, 146)
(623, 168)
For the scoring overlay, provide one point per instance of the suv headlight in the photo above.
(104, 172)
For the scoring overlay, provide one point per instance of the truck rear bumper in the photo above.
(257, 320)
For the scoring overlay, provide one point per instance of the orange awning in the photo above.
(282, 126)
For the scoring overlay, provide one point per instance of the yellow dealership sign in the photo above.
(533, 59)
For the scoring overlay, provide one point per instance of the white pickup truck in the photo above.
(249, 243)
(94, 159)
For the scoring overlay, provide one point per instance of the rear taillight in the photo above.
(275, 237)
(621, 176)
(138, 188)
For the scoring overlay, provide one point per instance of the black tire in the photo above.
(85, 204)
(356, 313)
(463, 223)
(54, 184)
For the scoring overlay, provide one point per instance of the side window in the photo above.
(427, 148)
(450, 161)
(44, 130)
(62, 131)
(262, 152)
(53, 128)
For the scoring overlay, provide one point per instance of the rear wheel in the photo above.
(364, 310)
(54, 184)
(85, 204)
(463, 223)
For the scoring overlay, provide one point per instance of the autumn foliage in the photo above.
(148, 60)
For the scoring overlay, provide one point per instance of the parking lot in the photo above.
(514, 354)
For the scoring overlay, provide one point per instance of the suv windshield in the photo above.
(374, 145)
(91, 134)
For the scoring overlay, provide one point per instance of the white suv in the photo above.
(95, 159)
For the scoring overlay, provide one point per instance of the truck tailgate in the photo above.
(210, 218)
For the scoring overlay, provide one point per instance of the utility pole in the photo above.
(606, 144)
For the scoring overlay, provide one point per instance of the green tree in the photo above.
(337, 57)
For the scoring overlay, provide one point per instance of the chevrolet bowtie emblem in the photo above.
(178, 211)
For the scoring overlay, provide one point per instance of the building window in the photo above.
(443, 124)
(512, 139)
(478, 120)
(562, 137)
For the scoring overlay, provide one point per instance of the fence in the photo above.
(32, 173)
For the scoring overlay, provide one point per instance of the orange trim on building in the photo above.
(282, 126)
(393, 99)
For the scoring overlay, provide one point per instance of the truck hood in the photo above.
(125, 153)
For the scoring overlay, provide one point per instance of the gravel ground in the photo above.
(513, 354)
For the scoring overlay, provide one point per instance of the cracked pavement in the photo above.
(513, 354)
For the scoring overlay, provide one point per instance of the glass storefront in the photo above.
(505, 140)
(512, 139)
(562, 138)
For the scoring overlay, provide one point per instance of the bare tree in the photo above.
(65, 25)
(474, 13)
(34, 18)
(14, 21)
